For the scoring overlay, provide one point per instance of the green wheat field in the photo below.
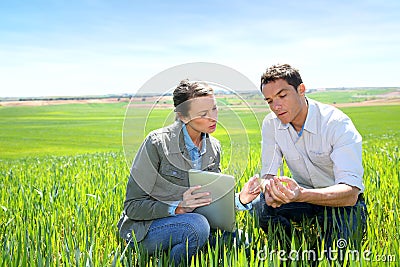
(63, 174)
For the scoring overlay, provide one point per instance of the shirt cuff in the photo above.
(172, 208)
(240, 206)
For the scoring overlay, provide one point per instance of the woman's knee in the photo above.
(198, 228)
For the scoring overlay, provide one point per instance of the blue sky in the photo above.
(90, 47)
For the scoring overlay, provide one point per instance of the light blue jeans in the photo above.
(183, 235)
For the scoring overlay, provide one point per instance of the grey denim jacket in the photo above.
(159, 177)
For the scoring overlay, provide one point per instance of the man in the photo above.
(322, 149)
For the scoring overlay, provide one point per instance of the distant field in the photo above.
(60, 129)
(376, 121)
(97, 127)
(351, 95)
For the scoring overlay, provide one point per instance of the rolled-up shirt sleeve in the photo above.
(347, 155)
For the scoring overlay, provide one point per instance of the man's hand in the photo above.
(269, 199)
(193, 200)
(281, 190)
(285, 189)
(250, 190)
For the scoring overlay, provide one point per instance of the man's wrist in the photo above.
(302, 195)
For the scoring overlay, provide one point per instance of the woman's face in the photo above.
(202, 115)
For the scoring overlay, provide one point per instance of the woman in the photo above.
(159, 202)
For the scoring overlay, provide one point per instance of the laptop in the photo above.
(221, 212)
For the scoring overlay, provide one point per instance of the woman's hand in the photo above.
(250, 190)
(193, 200)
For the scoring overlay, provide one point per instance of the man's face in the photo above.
(284, 100)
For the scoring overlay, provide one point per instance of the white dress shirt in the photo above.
(327, 152)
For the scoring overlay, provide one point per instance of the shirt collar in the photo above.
(189, 143)
(176, 138)
(310, 125)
